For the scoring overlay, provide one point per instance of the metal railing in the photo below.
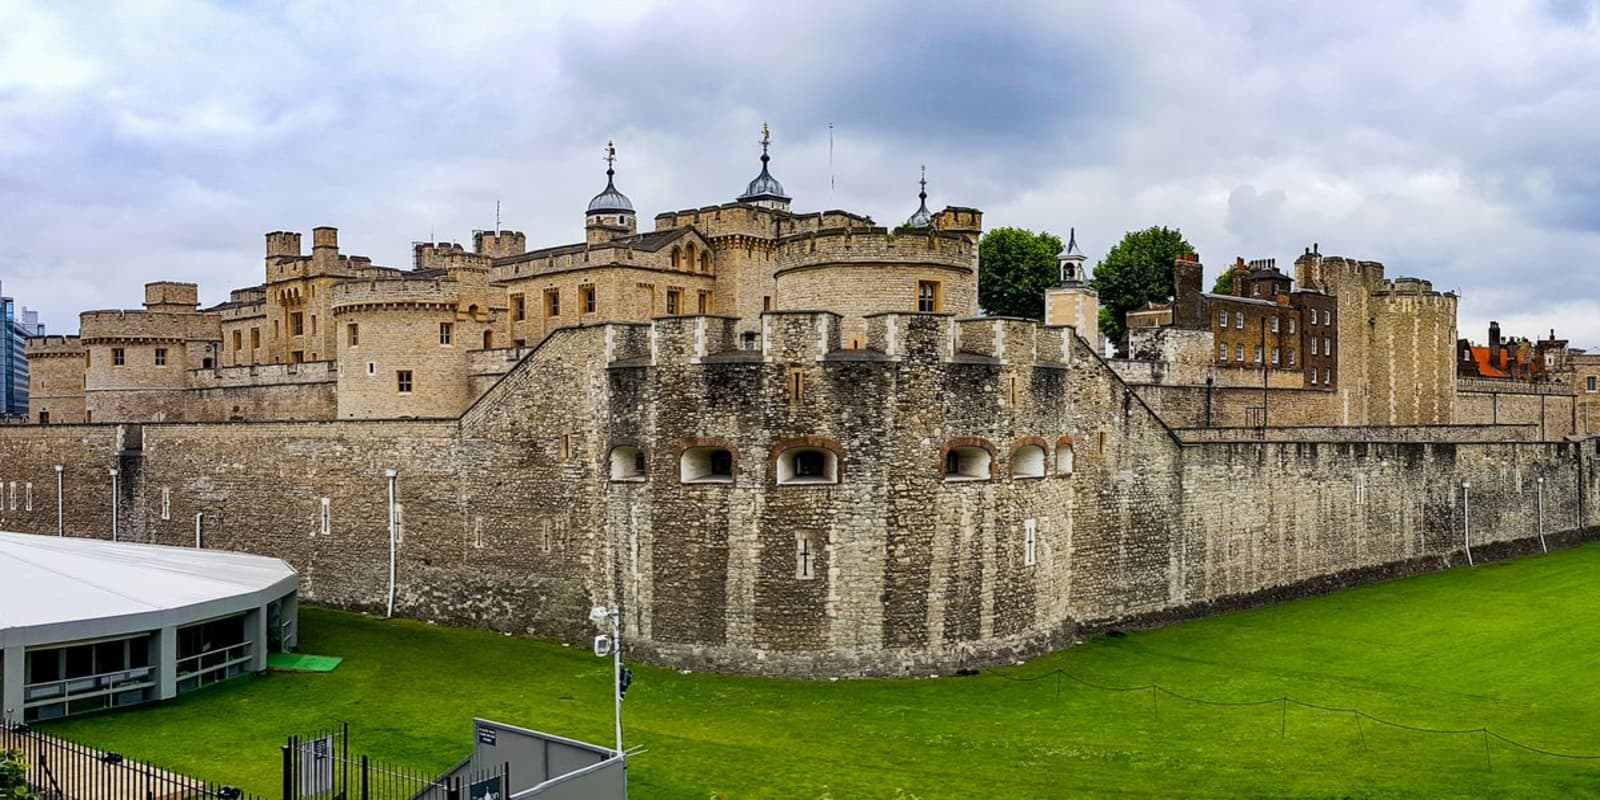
(60, 769)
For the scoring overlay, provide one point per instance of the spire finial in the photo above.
(611, 157)
(766, 139)
(923, 183)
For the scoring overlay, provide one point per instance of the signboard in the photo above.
(487, 789)
(316, 766)
(486, 736)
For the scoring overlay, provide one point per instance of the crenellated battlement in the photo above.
(54, 346)
(395, 291)
(171, 296)
(131, 326)
(499, 244)
(875, 246)
(447, 255)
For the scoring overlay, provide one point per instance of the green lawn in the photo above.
(1512, 646)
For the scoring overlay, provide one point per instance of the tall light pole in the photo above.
(1466, 520)
(60, 516)
(1542, 545)
(600, 615)
(393, 537)
(113, 472)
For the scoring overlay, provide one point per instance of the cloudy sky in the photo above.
(1454, 141)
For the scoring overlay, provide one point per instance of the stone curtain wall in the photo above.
(512, 521)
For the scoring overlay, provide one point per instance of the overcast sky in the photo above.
(1454, 141)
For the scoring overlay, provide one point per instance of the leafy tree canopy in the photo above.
(1015, 267)
(13, 777)
(1136, 271)
(1224, 284)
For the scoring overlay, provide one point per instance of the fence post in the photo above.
(288, 773)
(363, 776)
(454, 792)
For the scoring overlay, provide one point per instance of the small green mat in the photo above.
(299, 662)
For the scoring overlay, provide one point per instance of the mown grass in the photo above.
(1513, 646)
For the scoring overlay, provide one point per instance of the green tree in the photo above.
(1136, 271)
(1015, 267)
(1224, 284)
(13, 777)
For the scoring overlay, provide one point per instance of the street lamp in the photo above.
(1466, 520)
(60, 517)
(113, 472)
(1542, 545)
(612, 644)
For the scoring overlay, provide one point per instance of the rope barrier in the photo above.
(1284, 701)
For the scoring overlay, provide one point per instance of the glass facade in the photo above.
(16, 325)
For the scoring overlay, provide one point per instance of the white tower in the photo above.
(1071, 302)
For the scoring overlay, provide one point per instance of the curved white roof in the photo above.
(60, 589)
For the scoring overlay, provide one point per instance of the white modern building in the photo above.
(87, 624)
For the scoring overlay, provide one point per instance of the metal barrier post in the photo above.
(288, 773)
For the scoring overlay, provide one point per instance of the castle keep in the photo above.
(825, 466)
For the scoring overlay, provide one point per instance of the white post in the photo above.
(1466, 520)
(197, 518)
(616, 671)
(1542, 545)
(113, 472)
(61, 529)
(391, 475)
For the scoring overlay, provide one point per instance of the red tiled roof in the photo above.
(1481, 356)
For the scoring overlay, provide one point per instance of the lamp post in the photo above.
(1466, 520)
(60, 517)
(113, 472)
(600, 616)
(393, 537)
(1542, 545)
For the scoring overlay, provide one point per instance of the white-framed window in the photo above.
(1291, 324)
(1327, 376)
(372, 367)
(1327, 317)
(1222, 319)
(27, 489)
(1589, 384)
(1238, 320)
(326, 521)
(402, 381)
(477, 533)
(1258, 354)
(446, 332)
(1275, 356)
(1222, 352)
(161, 356)
(1313, 345)
(166, 503)
(1030, 532)
(1291, 356)
(1313, 376)
(805, 557)
(1238, 352)
(1274, 324)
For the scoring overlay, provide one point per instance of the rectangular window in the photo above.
(1238, 352)
(238, 341)
(797, 386)
(804, 558)
(766, 303)
(928, 299)
(118, 357)
(352, 335)
(1590, 383)
(1327, 377)
(1030, 530)
(161, 356)
(402, 380)
(1274, 356)
(673, 295)
(1274, 324)
(1313, 376)
(552, 302)
(1238, 320)
(1313, 345)
(297, 357)
(327, 516)
(255, 338)
(27, 494)
(704, 303)
(166, 503)
(1222, 320)
(519, 308)
(313, 322)
(1291, 356)
(372, 367)
(445, 329)
(1291, 324)
(297, 324)
(1258, 354)
(1222, 352)
(586, 299)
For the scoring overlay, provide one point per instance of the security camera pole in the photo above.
(600, 615)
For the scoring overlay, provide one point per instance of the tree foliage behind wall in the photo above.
(1015, 267)
(1136, 271)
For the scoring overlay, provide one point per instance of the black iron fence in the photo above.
(59, 769)
(319, 766)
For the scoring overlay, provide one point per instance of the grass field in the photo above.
(1514, 646)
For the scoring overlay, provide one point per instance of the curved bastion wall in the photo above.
(395, 359)
(978, 490)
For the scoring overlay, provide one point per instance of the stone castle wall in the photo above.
(511, 519)
(1553, 410)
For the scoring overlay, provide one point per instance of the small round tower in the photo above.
(765, 190)
(610, 214)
